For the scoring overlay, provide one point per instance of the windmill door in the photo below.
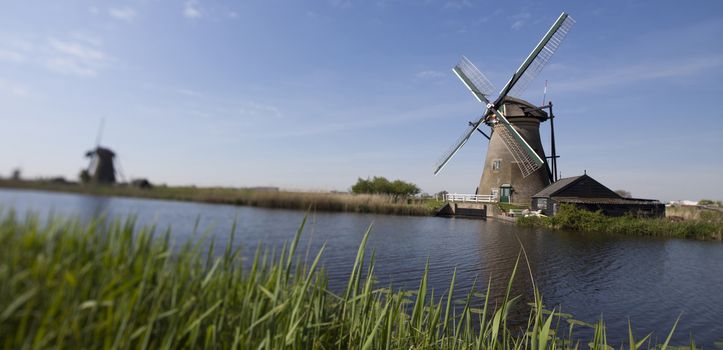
(505, 194)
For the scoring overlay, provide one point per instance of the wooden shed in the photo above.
(586, 193)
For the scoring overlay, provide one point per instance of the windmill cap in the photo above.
(519, 108)
(101, 151)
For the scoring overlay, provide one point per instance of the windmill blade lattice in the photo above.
(527, 159)
(543, 56)
(444, 159)
(532, 57)
(526, 163)
(475, 81)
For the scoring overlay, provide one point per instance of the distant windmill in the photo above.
(101, 169)
(515, 124)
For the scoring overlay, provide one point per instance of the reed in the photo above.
(572, 218)
(110, 285)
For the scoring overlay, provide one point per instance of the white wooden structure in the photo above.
(472, 198)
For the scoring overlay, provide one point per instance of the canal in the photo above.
(647, 280)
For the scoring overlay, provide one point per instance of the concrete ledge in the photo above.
(464, 210)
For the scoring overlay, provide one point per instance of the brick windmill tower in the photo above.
(515, 166)
(101, 169)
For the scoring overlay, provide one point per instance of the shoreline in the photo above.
(321, 201)
(574, 220)
(570, 218)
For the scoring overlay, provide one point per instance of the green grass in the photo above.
(112, 286)
(321, 201)
(505, 207)
(571, 218)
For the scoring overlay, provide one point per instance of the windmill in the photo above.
(101, 169)
(515, 161)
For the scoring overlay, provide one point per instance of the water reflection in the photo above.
(93, 206)
(651, 281)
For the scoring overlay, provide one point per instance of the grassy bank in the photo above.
(571, 218)
(322, 201)
(701, 213)
(110, 286)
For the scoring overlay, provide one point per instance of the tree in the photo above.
(84, 176)
(362, 186)
(624, 193)
(380, 185)
(400, 188)
(710, 202)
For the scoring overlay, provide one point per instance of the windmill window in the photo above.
(496, 164)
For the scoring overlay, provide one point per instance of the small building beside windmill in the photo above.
(586, 193)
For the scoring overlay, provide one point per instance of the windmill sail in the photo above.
(527, 159)
(537, 59)
(446, 157)
(475, 81)
(528, 164)
(480, 87)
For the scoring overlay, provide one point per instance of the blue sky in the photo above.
(312, 95)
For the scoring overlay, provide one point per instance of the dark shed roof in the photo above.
(606, 200)
(558, 185)
(582, 186)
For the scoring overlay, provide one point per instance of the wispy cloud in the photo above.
(340, 3)
(13, 89)
(17, 44)
(189, 92)
(11, 56)
(458, 4)
(123, 13)
(77, 53)
(77, 50)
(69, 66)
(346, 121)
(75, 58)
(519, 20)
(191, 10)
(642, 71)
(429, 74)
(257, 110)
(87, 38)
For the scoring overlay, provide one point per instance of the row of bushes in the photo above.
(569, 217)
(380, 185)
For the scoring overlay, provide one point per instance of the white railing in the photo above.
(475, 198)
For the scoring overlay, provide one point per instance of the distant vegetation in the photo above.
(711, 203)
(111, 286)
(322, 201)
(571, 218)
(707, 213)
(380, 185)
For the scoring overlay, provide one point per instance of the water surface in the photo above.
(650, 281)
